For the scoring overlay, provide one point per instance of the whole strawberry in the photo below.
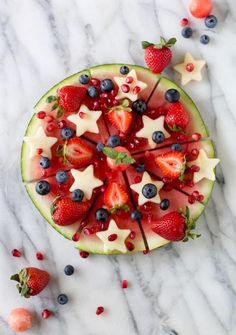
(71, 97)
(65, 211)
(31, 281)
(158, 56)
(177, 118)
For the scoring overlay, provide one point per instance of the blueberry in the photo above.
(69, 270)
(77, 195)
(102, 214)
(172, 95)
(136, 215)
(100, 147)
(67, 133)
(187, 32)
(176, 147)
(61, 177)
(165, 203)
(43, 187)
(107, 85)
(44, 162)
(149, 191)
(114, 141)
(92, 91)
(139, 106)
(84, 79)
(211, 21)
(124, 69)
(62, 299)
(204, 39)
(158, 137)
(140, 168)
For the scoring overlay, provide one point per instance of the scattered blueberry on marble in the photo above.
(43, 187)
(204, 39)
(92, 91)
(124, 69)
(77, 195)
(211, 21)
(62, 299)
(69, 270)
(67, 133)
(114, 141)
(102, 214)
(44, 162)
(61, 177)
(187, 32)
(84, 79)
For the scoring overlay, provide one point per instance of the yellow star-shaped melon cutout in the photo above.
(206, 165)
(85, 120)
(40, 141)
(195, 74)
(85, 181)
(146, 179)
(132, 95)
(149, 126)
(119, 243)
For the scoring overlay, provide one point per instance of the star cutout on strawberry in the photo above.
(158, 56)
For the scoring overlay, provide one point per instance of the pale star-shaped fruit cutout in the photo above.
(149, 126)
(40, 141)
(119, 243)
(206, 165)
(135, 87)
(85, 120)
(146, 179)
(85, 181)
(195, 74)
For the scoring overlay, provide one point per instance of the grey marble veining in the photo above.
(184, 289)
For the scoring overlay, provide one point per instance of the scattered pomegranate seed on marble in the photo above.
(16, 253)
(99, 310)
(124, 283)
(46, 314)
(184, 22)
(84, 254)
(39, 256)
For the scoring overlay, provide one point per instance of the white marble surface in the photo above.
(185, 289)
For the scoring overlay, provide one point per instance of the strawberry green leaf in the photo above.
(60, 112)
(146, 44)
(125, 103)
(15, 277)
(54, 106)
(171, 42)
(51, 98)
(59, 150)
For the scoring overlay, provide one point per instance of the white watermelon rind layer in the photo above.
(154, 241)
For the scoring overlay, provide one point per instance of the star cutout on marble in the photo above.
(149, 126)
(85, 181)
(146, 179)
(85, 120)
(196, 67)
(117, 244)
(40, 141)
(207, 166)
(135, 87)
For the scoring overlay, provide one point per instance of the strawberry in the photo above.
(158, 56)
(31, 281)
(78, 152)
(71, 97)
(177, 117)
(171, 163)
(115, 197)
(121, 118)
(65, 211)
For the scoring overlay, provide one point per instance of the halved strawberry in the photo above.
(71, 97)
(177, 117)
(115, 196)
(78, 152)
(121, 118)
(172, 163)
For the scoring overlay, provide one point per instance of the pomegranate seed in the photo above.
(50, 127)
(112, 237)
(191, 199)
(132, 235)
(95, 81)
(195, 152)
(96, 163)
(84, 254)
(96, 105)
(137, 179)
(129, 245)
(195, 194)
(146, 251)
(124, 283)
(136, 141)
(113, 93)
(129, 80)
(100, 310)
(44, 173)
(16, 253)
(181, 137)
(39, 151)
(49, 118)
(91, 230)
(82, 115)
(200, 197)
(184, 22)
(147, 207)
(41, 115)
(83, 223)
(61, 124)
(181, 186)
(190, 183)
(103, 226)
(190, 67)
(103, 189)
(131, 145)
(168, 187)
(115, 102)
(76, 237)
(195, 168)
(39, 256)
(103, 95)
(136, 90)
(46, 314)
(125, 88)
(166, 180)
(147, 154)
(196, 136)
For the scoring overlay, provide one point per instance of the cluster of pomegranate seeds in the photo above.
(16, 253)
(99, 310)
(197, 196)
(191, 199)
(124, 283)
(39, 256)
(41, 115)
(46, 314)
(83, 254)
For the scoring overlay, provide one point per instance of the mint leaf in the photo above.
(109, 152)
(51, 98)
(119, 157)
